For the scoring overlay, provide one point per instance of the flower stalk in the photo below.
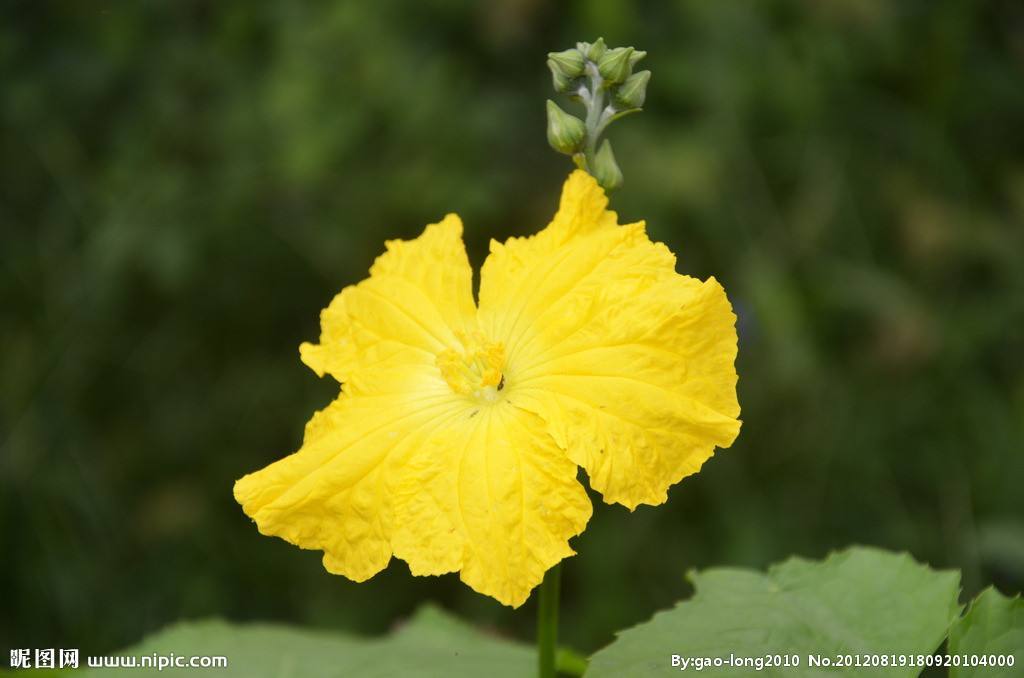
(603, 80)
(547, 622)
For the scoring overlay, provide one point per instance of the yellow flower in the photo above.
(455, 441)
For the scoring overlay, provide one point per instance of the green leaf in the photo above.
(994, 625)
(432, 643)
(859, 601)
(569, 662)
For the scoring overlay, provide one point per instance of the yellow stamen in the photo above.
(476, 368)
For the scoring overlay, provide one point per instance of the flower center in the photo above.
(475, 369)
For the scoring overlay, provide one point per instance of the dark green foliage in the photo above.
(183, 185)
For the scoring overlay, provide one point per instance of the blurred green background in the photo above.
(185, 184)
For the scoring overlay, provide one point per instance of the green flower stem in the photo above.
(595, 121)
(547, 622)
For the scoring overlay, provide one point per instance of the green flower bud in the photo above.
(596, 50)
(559, 80)
(605, 169)
(614, 65)
(565, 132)
(637, 57)
(633, 92)
(570, 62)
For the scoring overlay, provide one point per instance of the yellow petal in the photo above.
(335, 494)
(515, 273)
(419, 293)
(491, 495)
(442, 485)
(630, 363)
(381, 337)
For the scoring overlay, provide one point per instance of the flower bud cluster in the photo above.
(603, 79)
